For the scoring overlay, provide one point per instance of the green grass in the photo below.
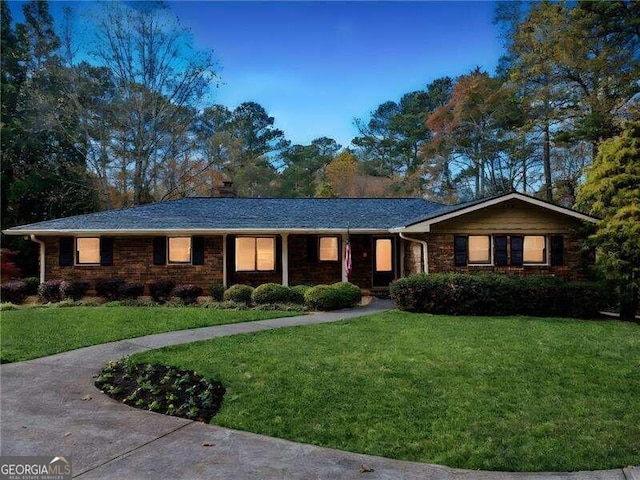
(514, 393)
(37, 332)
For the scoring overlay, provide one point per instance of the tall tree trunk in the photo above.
(546, 161)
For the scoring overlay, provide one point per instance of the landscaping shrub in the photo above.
(238, 293)
(73, 290)
(274, 293)
(109, 288)
(332, 297)
(160, 290)
(49, 291)
(163, 389)
(32, 285)
(494, 294)
(14, 291)
(299, 291)
(131, 290)
(187, 293)
(217, 291)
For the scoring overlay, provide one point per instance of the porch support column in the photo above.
(224, 260)
(402, 246)
(285, 259)
(345, 278)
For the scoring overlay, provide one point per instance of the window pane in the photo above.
(329, 249)
(266, 253)
(179, 249)
(88, 250)
(479, 249)
(534, 249)
(383, 255)
(245, 254)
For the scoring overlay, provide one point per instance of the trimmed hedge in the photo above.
(49, 291)
(332, 297)
(32, 285)
(495, 294)
(131, 290)
(109, 288)
(275, 293)
(187, 293)
(160, 290)
(14, 291)
(73, 290)
(239, 294)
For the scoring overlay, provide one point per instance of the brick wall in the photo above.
(303, 272)
(133, 261)
(441, 260)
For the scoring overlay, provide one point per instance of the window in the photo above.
(384, 262)
(88, 250)
(479, 249)
(255, 254)
(534, 249)
(179, 249)
(329, 249)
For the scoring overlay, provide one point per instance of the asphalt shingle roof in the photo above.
(202, 213)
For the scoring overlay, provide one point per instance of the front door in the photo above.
(384, 261)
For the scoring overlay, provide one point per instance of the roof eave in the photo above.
(187, 231)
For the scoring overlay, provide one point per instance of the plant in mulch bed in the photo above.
(109, 288)
(217, 291)
(160, 290)
(14, 291)
(32, 285)
(163, 389)
(73, 290)
(49, 291)
(187, 293)
(131, 290)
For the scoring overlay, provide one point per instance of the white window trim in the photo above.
(190, 262)
(337, 249)
(477, 264)
(76, 263)
(275, 260)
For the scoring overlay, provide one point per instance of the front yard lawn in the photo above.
(38, 332)
(511, 393)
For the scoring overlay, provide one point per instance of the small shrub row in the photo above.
(276, 293)
(467, 294)
(332, 297)
(162, 389)
(14, 291)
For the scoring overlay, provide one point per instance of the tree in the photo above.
(471, 135)
(612, 192)
(304, 166)
(159, 79)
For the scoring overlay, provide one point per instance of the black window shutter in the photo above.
(557, 250)
(231, 258)
(67, 251)
(517, 250)
(500, 250)
(197, 249)
(106, 251)
(312, 249)
(160, 250)
(460, 250)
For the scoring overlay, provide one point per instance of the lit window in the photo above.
(479, 249)
(179, 249)
(384, 261)
(329, 249)
(255, 254)
(534, 249)
(88, 250)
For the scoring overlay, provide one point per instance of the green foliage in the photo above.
(160, 290)
(73, 290)
(169, 390)
(495, 294)
(239, 293)
(332, 297)
(131, 290)
(109, 288)
(612, 192)
(275, 293)
(217, 291)
(32, 285)
(187, 293)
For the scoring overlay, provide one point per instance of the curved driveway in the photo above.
(49, 406)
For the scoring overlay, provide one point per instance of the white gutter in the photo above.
(191, 231)
(425, 250)
(42, 256)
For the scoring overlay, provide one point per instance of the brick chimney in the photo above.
(226, 190)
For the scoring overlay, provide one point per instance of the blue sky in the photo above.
(315, 66)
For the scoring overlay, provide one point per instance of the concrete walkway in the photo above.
(49, 406)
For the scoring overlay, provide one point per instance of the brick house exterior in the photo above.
(388, 238)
